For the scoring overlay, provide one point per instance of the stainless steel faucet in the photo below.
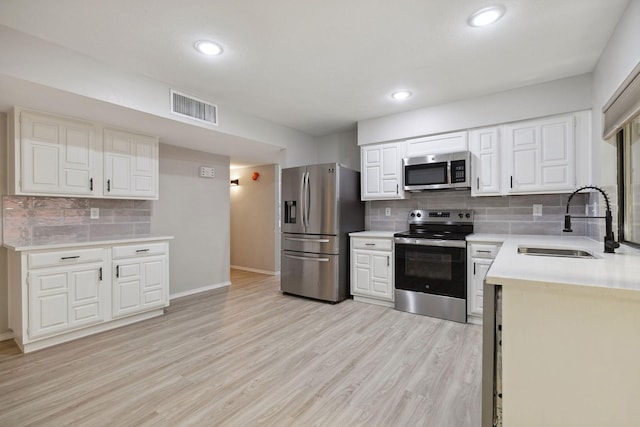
(609, 240)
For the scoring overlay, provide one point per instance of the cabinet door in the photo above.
(361, 273)
(57, 155)
(435, 144)
(382, 171)
(540, 155)
(131, 165)
(65, 298)
(381, 272)
(479, 268)
(140, 284)
(371, 274)
(486, 161)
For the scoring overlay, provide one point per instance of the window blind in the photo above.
(623, 105)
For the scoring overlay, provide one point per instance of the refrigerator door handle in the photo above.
(302, 198)
(304, 258)
(307, 202)
(295, 239)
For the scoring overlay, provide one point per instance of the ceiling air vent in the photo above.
(193, 108)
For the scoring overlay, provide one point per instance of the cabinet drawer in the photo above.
(372, 244)
(57, 258)
(484, 251)
(142, 249)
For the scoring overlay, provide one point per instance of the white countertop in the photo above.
(373, 233)
(24, 246)
(619, 271)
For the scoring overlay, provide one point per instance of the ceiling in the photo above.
(321, 66)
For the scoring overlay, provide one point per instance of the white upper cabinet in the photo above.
(436, 144)
(57, 156)
(486, 161)
(130, 165)
(381, 175)
(540, 155)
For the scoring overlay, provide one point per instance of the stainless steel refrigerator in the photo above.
(321, 205)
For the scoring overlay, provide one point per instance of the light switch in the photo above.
(387, 212)
(95, 213)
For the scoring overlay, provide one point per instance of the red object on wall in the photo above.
(255, 176)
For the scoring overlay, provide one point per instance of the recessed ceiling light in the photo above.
(486, 16)
(208, 47)
(401, 95)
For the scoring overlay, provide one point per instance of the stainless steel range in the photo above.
(431, 264)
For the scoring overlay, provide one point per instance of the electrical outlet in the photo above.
(387, 212)
(95, 213)
(537, 210)
(207, 172)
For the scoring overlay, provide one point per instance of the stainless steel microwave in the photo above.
(437, 171)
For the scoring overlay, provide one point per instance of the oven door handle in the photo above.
(431, 242)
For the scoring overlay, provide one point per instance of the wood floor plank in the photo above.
(248, 355)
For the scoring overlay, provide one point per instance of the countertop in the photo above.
(373, 233)
(45, 245)
(619, 271)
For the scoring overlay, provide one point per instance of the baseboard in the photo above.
(199, 290)
(255, 270)
(5, 336)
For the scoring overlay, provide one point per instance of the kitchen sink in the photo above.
(555, 252)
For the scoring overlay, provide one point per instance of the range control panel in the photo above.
(420, 216)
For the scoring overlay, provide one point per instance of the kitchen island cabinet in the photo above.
(563, 333)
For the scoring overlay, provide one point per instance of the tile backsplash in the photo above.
(32, 220)
(504, 215)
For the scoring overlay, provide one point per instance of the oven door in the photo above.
(439, 269)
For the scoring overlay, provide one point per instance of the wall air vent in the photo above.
(193, 108)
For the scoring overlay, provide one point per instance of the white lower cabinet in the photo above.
(140, 283)
(480, 256)
(65, 298)
(59, 295)
(372, 270)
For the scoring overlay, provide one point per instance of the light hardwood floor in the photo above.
(248, 355)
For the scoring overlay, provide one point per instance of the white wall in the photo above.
(339, 148)
(555, 97)
(254, 219)
(618, 59)
(196, 211)
(28, 62)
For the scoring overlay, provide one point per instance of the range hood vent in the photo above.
(193, 108)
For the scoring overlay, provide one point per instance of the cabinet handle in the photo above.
(484, 252)
(477, 183)
(70, 257)
(100, 274)
(117, 271)
(397, 189)
(108, 185)
(474, 268)
(369, 244)
(91, 184)
(387, 260)
(142, 250)
(511, 180)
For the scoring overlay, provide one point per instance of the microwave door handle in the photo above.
(449, 173)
